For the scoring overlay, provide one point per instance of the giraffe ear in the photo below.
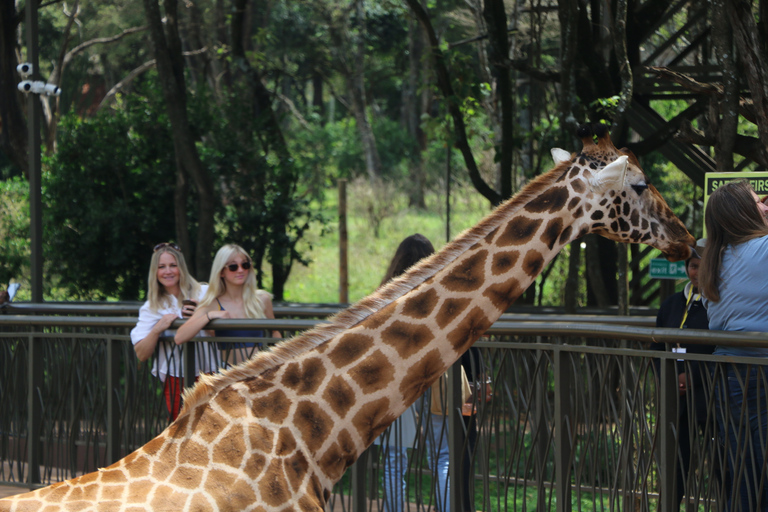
(611, 176)
(560, 155)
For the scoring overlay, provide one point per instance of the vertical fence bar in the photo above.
(564, 425)
(455, 437)
(188, 360)
(35, 366)
(667, 439)
(113, 409)
(359, 487)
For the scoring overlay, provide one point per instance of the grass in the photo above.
(368, 254)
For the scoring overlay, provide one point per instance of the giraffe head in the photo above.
(626, 207)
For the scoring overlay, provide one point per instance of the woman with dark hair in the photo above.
(735, 294)
(401, 435)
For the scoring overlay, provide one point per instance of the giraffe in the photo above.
(277, 432)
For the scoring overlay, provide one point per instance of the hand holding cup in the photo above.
(188, 307)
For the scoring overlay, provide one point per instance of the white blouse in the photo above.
(168, 360)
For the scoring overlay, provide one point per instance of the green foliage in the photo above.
(108, 193)
(14, 230)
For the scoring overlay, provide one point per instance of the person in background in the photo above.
(402, 434)
(684, 310)
(232, 293)
(168, 284)
(735, 290)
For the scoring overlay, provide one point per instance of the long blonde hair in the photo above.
(217, 286)
(731, 218)
(157, 295)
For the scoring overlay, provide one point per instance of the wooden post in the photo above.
(343, 244)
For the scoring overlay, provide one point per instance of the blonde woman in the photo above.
(232, 293)
(168, 285)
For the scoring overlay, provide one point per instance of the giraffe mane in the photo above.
(288, 350)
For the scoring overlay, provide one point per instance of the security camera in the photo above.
(25, 86)
(38, 87)
(52, 90)
(25, 69)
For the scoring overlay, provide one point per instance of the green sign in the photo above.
(663, 269)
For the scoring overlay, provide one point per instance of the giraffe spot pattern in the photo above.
(229, 450)
(551, 201)
(339, 395)
(304, 378)
(533, 263)
(138, 490)
(565, 236)
(474, 324)
(596, 215)
(421, 375)
(257, 384)
(379, 318)
(273, 407)
(407, 338)
(503, 262)
(186, 477)
(350, 347)
(272, 485)
(374, 372)
(210, 423)
(372, 419)
(578, 186)
(230, 492)
(576, 169)
(339, 456)
(255, 465)
(191, 452)
(138, 469)
(232, 402)
(503, 294)
(260, 437)
(552, 231)
(286, 443)
(421, 305)
(519, 231)
(312, 423)
(579, 213)
(634, 219)
(573, 203)
(468, 275)
(296, 467)
(449, 310)
(489, 237)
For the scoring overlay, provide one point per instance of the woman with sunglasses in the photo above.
(232, 293)
(169, 283)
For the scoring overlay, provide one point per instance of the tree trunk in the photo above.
(413, 109)
(13, 136)
(725, 118)
(496, 21)
(754, 61)
(454, 108)
(356, 85)
(170, 68)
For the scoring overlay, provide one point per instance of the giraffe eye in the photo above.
(640, 188)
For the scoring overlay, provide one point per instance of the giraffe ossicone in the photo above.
(278, 431)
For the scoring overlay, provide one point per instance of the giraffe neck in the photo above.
(430, 316)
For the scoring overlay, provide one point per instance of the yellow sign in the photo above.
(712, 180)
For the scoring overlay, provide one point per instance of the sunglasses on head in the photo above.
(166, 244)
(244, 265)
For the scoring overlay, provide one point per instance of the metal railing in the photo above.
(582, 415)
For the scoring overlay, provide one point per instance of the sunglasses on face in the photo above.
(244, 265)
(166, 244)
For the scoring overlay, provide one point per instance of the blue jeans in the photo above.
(438, 453)
(395, 465)
(742, 419)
